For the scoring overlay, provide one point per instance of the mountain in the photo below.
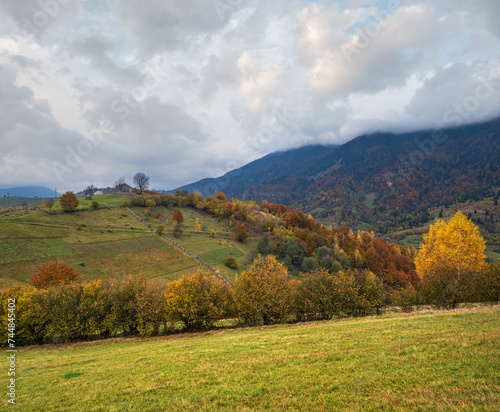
(387, 180)
(29, 191)
(288, 169)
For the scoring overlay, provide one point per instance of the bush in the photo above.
(197, 300)
(178, 231)
(324, 295)
(95, 205)
(406, 298)
(160, 229)
(231, 262)
(488, 284)
(53, 274)
(262, 294)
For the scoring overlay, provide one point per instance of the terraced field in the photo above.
(110, 242)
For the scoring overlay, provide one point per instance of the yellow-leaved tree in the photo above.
(450, 260)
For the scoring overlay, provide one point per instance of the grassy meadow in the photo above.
(210, 250)
(110, 242)
(429, 361)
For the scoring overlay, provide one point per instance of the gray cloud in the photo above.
(186, 90)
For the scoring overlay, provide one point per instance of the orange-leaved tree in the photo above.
(54, 273)
(178, 216)
(450, 260)
(69, 201)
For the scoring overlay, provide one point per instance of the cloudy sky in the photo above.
(92, 90)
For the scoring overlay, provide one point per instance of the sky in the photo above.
(95, 90)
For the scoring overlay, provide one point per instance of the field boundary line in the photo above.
(216, 272)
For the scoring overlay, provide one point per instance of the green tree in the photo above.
(263, 244)
(309, 264)
(488, 284)
(294, 250)
(178, 231)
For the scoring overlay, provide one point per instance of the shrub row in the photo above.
(261, 295)
(264, 294)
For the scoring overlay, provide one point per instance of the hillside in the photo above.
(387, 181)
(110, 242)
(394, 362)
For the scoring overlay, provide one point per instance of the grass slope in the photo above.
(428, 361)
(210, 250)
(110, 243)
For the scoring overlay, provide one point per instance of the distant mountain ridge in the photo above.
(290, 165)
(29, 191)
(383, 179)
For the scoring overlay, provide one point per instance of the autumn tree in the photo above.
(160, 229)
(69, 201)
(49, 203)
(262, 293)
(198, 300)
(141, 181)
(178, 217)
(54, 274)
(450, 260)
(222, 197)
(240, 232)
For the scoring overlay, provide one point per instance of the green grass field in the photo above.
(443, 361)
(99, 243)
(211, 250)
(110, 242)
